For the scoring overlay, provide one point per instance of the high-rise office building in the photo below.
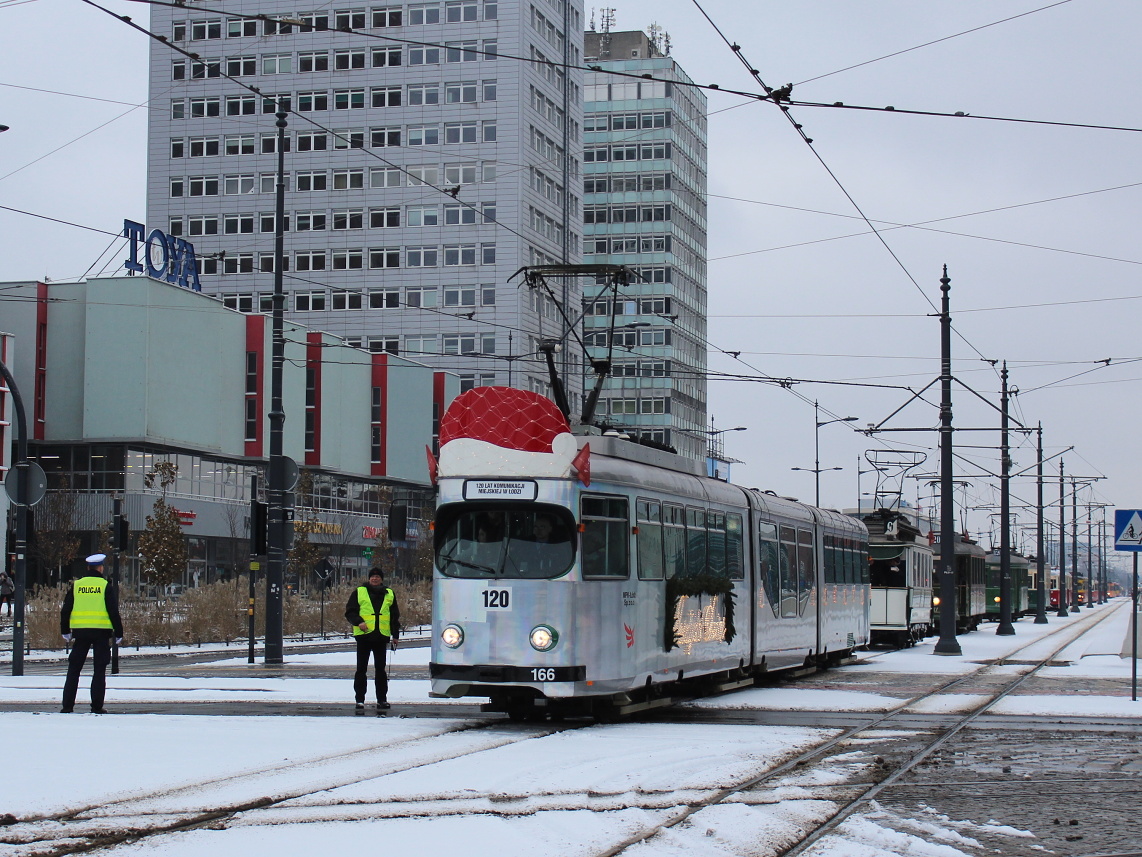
(432, 149)
(644, 206)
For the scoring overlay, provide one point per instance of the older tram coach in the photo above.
(583, 574)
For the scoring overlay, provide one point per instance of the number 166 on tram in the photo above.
(593, 575)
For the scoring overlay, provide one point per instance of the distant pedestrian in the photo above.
(7, 590)
(373, 612)
(88, 621)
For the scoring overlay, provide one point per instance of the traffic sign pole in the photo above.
(1128, 537)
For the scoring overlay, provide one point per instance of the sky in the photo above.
(437, 785)
(1036, 223)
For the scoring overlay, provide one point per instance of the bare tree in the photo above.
(57, 542)
(304, 554)
(162, 545)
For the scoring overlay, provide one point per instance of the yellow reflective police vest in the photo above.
(89, 605)
(373, 621)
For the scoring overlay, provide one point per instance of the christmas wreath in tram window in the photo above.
(697, 585)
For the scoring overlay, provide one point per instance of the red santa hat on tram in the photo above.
(501, 431)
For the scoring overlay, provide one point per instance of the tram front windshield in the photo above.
(505, 541)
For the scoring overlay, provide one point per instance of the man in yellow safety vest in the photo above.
(372, 611)
(88, 620)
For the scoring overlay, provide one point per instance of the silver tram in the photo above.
(593, 575)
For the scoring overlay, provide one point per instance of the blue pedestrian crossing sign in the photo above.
(1128, 529)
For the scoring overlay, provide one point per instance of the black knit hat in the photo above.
(376, 571)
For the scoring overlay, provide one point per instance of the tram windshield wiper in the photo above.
(485, 568)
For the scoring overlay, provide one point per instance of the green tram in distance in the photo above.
(1020, 585)
(900, 562)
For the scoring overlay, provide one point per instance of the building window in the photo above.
(465, 51)
(239, 27)
(386, 57)
(266, 266)
(238, 184)
(348, 260)
(311, 21)
(277, 64)
(384, 299)
(420, 296)
(421, 257)
(487, 254)
(202, 107)
(419, 345)
(375, 409)
(387, 17)
(203, 185)
(201, 147)
(348, 138)
(423, 135)
(461, 92)
(460, 132)
(308, 102)
(178, 31)
(459, 174)
(459, 296)
(177, 148)
(312, 141)
(313, 61)
(487, 295)
(459, 254)
(238, 224)
(174, 226)
(277, 103)
(346, 300)
(489, 90)
(313, 260)
(424, 13)
(383, 218)
(349, 19)
(348, 179)
(349, 99)
(384, 257)
(456, 214)
(178, 187)
(243, 145)
(268, 220)
(205, 69)
(420, 176)
(309, 301)
(384, 344)
(386, 96)
(346, 60)
(380, 138)
(241, 105)
(202, 224)
(310, 408)
(423, 93)
(201, 30)
(238, 263)
(349, 218)
(385, 177)
(422, 55)
(312, 180)
(310, 221)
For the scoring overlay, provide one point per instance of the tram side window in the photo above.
(850, 560)
(674, 540)
(716, 542)
(806, 568)
(735, 558)
(862, 558)
(788, 573)
(768, 564)
(649, 540)
(606, 537)
(695, 541)
(829, 559)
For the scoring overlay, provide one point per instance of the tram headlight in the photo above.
(936, 601)
(996, 599)
(543, 638)
(452, 636)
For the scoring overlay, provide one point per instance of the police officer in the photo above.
(373, 612)
(88, 620)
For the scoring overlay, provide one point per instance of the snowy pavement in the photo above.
(316, 785)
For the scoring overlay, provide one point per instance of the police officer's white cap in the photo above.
(96, 559)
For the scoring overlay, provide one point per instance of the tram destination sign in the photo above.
(1128, 529)
(499, 489)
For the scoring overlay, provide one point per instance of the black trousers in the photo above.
(373, 646)
(98, 642)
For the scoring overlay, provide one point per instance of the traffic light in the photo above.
(121, 532)
(398, 522)
(259, 516)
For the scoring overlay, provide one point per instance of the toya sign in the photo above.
(165, 257)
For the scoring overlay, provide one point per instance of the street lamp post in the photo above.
(816, 469)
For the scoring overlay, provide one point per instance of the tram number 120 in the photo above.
(497, 599)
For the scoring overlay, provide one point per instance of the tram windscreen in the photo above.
(511, 542)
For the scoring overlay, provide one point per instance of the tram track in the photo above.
(132, 818)
(1070, 633)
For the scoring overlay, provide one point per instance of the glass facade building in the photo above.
(644, 206)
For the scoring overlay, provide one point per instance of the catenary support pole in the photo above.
(20, 566)
(1063, 612)
(1005, 629)
(276, 490)
(1089, 559)
(1075, 605)
(1040, 541)
(947, 644)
